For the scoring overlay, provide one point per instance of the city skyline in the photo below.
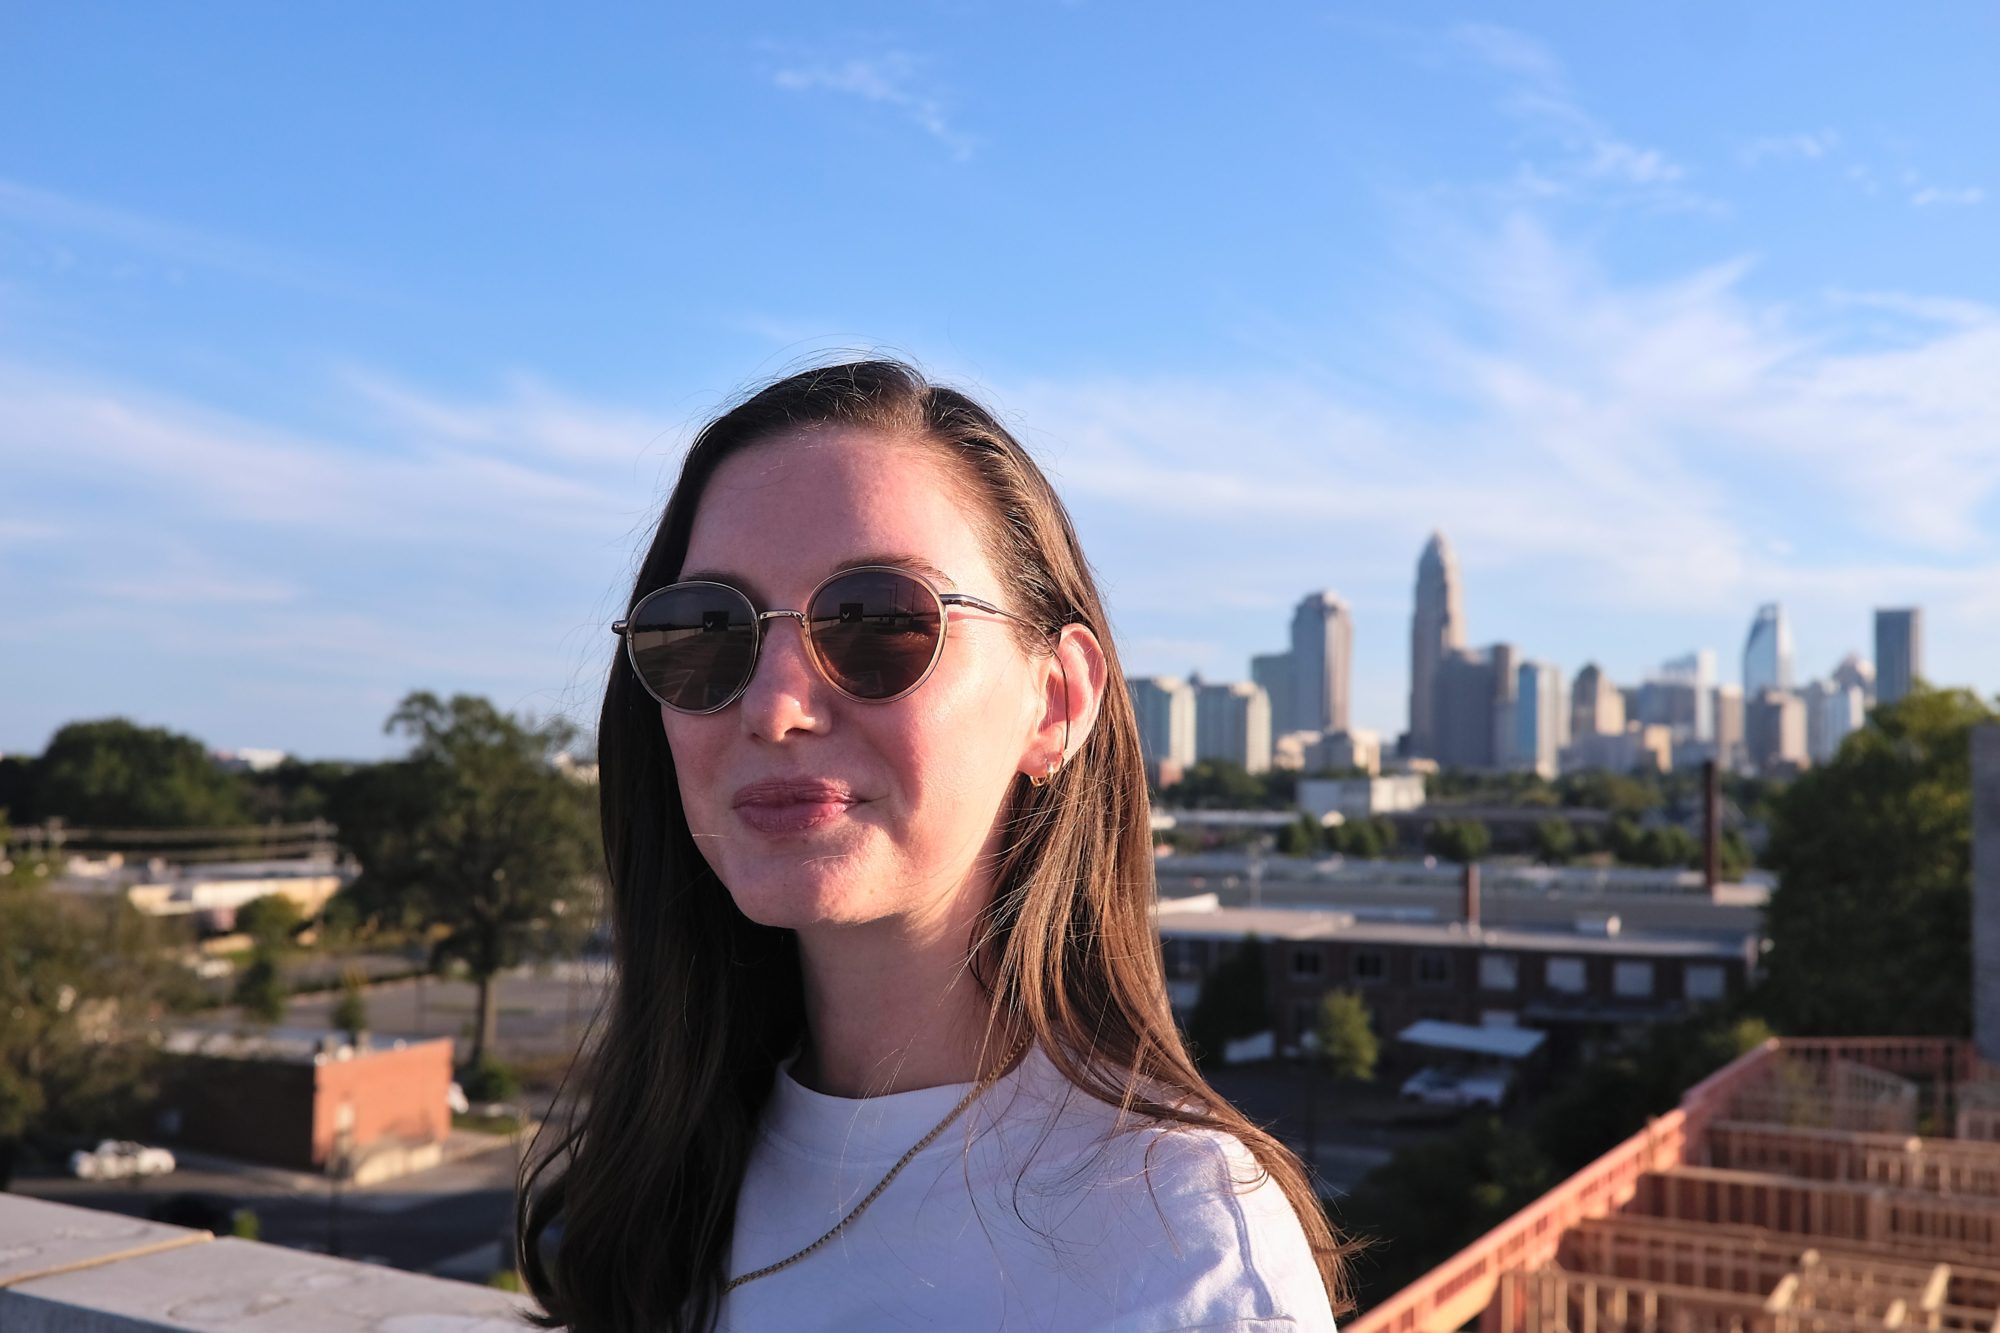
(365, 368)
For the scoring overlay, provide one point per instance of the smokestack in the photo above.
(1711, 825)
(1986, 891)
(1471, 895)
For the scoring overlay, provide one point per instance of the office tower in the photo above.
(1696, 673)
(1476, 714)
(1232, 721)
(1346, 751)
(1856, 670)
(1596, 706)
(1541, 718)
(1273, 671)
(1322, 663)
(1437, 628)
(1767, 653)
(1506, 659)
(1833, 711)
(1165, 707)
(1899, 652)
(1774, 730)
(1463, 722)
(1728, 711)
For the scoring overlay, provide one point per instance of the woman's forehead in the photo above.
(785, 513)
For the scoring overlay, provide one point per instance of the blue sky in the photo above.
(341, 357)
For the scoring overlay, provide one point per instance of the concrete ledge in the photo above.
(74, 1270)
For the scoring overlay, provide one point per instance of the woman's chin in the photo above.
(798, 903)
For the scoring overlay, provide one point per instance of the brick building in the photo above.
(290, 1097)
(1593, 977)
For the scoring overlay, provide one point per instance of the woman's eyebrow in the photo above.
(900, 560)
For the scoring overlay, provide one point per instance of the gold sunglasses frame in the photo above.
(943, 600)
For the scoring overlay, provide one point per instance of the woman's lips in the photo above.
(792, 806)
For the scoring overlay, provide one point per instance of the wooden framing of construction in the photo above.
(1791, 1192)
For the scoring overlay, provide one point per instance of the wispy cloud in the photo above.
(1675, 450)
(894, 79)
(175, 243)
(1930, 196)
(1578, 153)
(1808, 146)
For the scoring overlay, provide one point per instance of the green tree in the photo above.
(115, 773)
(260, 989)
(1235, 1001)
(81, 979)
(1555, 842)
(270, 922)
(350, 1015)
(1460, 840)
(1346, 1040)
(1217, 784)
(475, 831)
(1301, 837)
(1873, 852)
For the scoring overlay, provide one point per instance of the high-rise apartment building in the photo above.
(1728, 712)
(1436, 630)
(1322, 663)
(1774, 730)
(1462, 734)
(1232, 721)
(1899, 652)
(1767, 653)
(1541, 718)
(1165, 707)
(1691, 682)
(1274, 672)
(1833, 712)
(1858, 671)
(1596, 706)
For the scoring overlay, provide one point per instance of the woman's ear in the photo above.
(1071, 681)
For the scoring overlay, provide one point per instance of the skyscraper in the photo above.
(1322, 663)
(1856, 671)
(1232, 721)
(1833, 712)
(1767, 653)
(1728, 709)
(1695, 671)
(1899, 652)
(1774, 730)
(1596, 706)
(1541, 718)
(1436, 629)
(1274, 672)
(1165, 708)
(1462, 732)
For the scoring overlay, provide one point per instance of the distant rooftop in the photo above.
(1198, 919)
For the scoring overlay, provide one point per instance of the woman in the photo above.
(889, 1044)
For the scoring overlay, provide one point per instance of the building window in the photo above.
(1633, 980)
(1433, 968)
(1369, 966)
(1565, 975)
(1499, 971)
(1499, 1018)
(1305, 1020)
(1703, 981)
(1307, 964)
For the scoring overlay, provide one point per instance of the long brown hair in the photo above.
(704, 1003)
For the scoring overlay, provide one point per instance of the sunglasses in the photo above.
(873, 632)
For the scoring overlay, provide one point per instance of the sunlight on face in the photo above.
(814, 808)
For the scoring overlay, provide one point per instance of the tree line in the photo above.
(474, 842)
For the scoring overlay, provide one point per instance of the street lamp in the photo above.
(339, 1167)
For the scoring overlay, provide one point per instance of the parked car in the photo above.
(1438, 1087)
(1432, 1087)
(116, 1159)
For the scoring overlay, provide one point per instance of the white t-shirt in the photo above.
(1028, 1213)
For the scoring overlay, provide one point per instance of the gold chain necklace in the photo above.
(1020, 1047)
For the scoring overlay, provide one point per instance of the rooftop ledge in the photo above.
(76, 1270)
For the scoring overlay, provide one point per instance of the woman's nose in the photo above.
(786, 692)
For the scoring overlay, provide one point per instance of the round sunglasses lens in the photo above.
(876, 632)
(694, 644)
